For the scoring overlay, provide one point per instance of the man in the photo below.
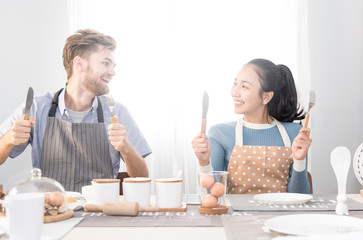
(72, 137)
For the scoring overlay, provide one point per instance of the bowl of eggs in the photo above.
(212, 188)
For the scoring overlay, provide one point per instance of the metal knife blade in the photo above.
(29, 102)
(205, 105)
(204, 112)
(111, 106)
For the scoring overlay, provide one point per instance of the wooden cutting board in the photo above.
(128, 208)
(59, 217)
(183, 208)
(56, 218)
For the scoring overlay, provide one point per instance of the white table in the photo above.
(149, 233)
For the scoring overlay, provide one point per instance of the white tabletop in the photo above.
(149, 233)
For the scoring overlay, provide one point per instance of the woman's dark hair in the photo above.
(278, 78)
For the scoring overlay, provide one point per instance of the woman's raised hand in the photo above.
(301, 144)
(201, 148)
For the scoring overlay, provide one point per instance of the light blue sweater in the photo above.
(222, 140)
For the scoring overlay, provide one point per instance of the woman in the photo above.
(264, 151)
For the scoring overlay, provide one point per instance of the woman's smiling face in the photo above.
(246, 94)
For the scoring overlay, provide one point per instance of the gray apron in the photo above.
(75, 153)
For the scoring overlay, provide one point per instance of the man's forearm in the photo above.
(135, 164)
(5, 147)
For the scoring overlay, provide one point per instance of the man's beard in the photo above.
(90, 83)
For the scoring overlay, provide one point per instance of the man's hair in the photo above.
(83, 43)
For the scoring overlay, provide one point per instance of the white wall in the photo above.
(32, 36)
(33, 33)
(336, 44)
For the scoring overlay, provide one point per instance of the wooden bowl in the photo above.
(213, 211)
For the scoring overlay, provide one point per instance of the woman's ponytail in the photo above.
(278, 79)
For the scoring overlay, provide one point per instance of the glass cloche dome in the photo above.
(54, 193)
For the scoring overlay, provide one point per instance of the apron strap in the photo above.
(280, 127)
(99, 112)
(239, 132)
(283, 132)
(54, 107)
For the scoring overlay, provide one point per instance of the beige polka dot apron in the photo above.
(259, 169)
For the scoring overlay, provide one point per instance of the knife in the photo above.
(205, 110)
(111, 106)
(29, 102)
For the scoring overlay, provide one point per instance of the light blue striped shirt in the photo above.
(222, 140)
(40, 109)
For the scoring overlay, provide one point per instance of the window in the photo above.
(169, 52)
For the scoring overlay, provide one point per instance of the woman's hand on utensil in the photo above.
(201, 148)
(301, 144)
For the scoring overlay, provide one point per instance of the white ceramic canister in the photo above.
(168, 192)
(137, 190)
(105, 190)
(88, 193)
(25, 215)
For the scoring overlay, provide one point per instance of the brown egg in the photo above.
(46, 197)
(217, 189)
(56, 198)
(209, 201)
(206, 181)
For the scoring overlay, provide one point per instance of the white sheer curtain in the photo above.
(170, 51)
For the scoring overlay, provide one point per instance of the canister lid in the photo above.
(106, 180)
(168, 180)
(137, 180)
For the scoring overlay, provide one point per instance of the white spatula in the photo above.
(340, 161)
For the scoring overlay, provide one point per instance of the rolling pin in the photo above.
(119, 208)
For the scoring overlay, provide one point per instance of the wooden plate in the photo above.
(56, 218)
(59, 217)
(181, 209)
(213, 211)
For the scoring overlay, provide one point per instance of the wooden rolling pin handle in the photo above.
(121, 208)
(149, 209)
(89, 207)
(114, 119)
(306, 121)
(204, 125)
